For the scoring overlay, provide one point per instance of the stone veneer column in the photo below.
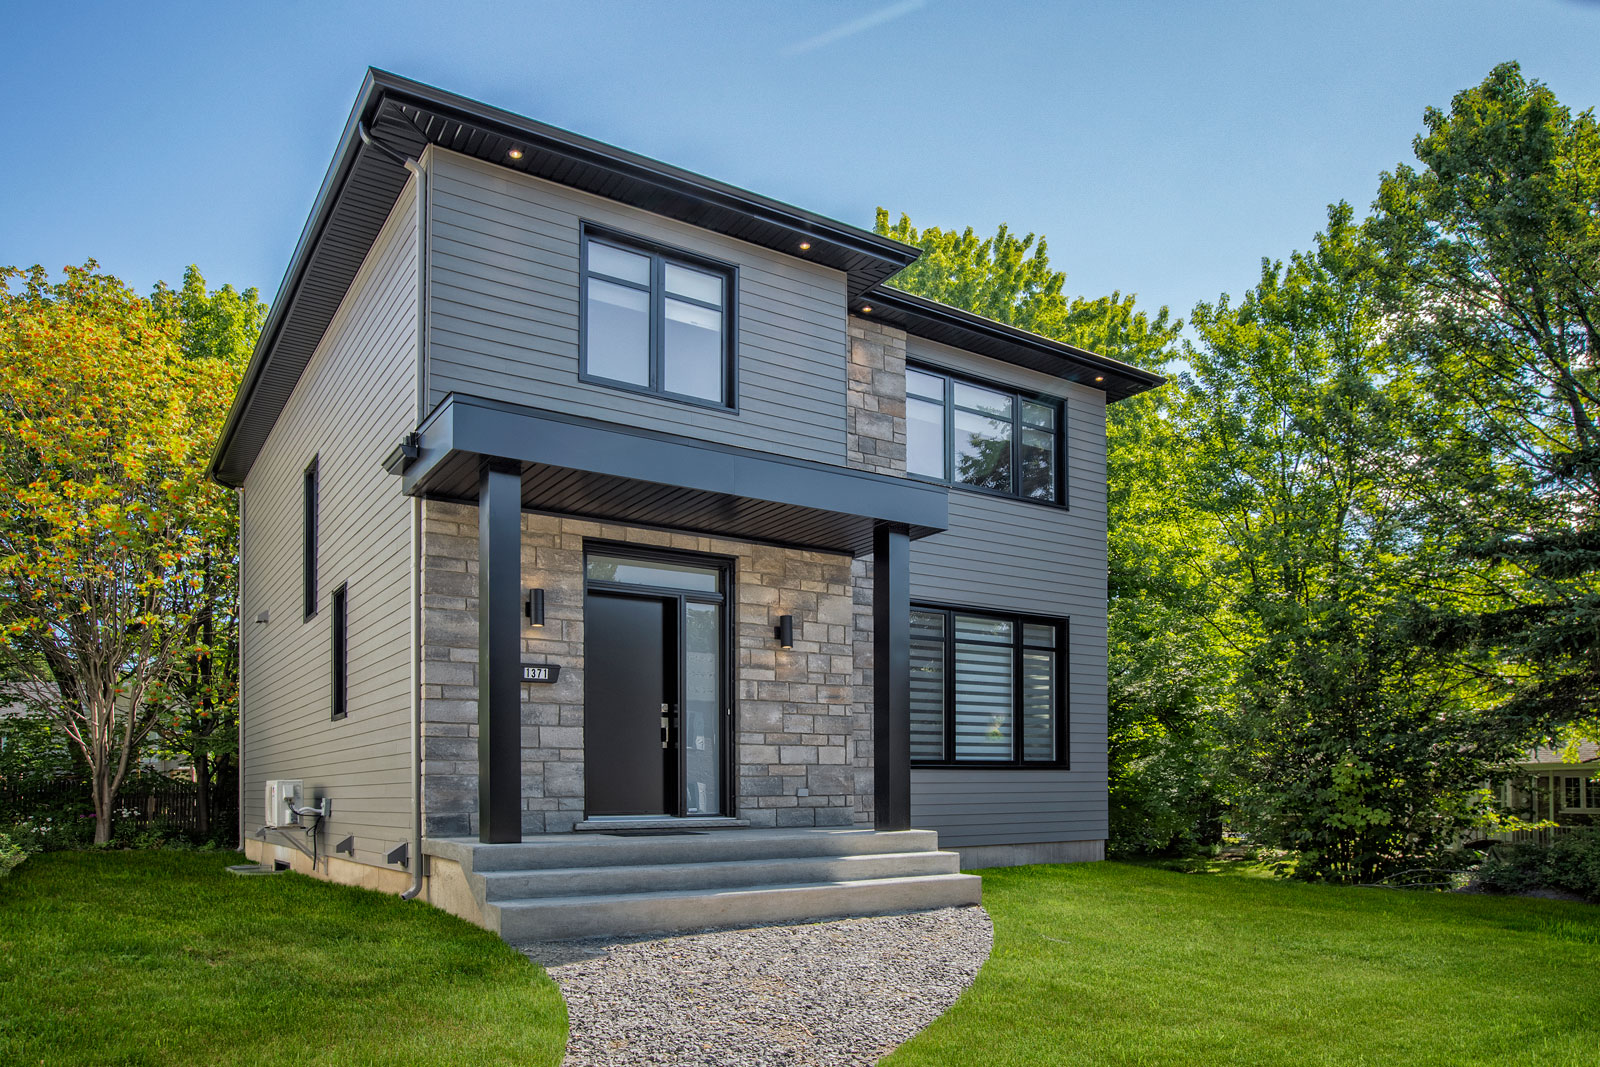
(876, 431)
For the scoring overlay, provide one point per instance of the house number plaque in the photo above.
(541, 673)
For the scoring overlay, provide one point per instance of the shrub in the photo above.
(11, 854)
(1571, 863)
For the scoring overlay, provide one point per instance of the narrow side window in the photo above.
(341, 652)
(309, 570)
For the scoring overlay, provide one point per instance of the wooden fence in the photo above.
(144, 803)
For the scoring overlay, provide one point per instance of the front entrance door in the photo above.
(654, 685)
(627, 705)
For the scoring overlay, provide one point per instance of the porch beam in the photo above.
(499, 651)
(891, 676)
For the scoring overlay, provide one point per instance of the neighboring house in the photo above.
(580, 492)
(1548, 787)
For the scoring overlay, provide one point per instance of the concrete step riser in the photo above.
(712, 847)
(644, 879)
(552, 920)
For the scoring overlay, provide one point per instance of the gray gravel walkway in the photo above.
(830, 994)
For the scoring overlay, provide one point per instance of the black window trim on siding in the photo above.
(660, 254)
(339, 652)
(1017, 395)
(1063, 629)
(310, 506)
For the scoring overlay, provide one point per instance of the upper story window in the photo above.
(657, 320)
(982, 436)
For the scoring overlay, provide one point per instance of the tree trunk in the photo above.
(103, 799)
(202, 781)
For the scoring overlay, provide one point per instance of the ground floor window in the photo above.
(986, 689)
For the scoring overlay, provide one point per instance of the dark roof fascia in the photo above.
(380, 88)
(961, 329)
(894, 255)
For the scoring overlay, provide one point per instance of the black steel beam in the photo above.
(499, 651)
(891, 677)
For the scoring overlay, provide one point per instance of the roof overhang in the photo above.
(973, 333)
(364, 181)
(610, 472)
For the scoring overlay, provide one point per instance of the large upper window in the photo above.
(977, 435)
(657, 321)
(986, 689)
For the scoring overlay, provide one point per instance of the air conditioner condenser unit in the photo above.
(283, 796)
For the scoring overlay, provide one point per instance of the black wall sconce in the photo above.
(533, 607)
(784, 631)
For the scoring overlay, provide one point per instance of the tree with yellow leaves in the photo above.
(107, 520)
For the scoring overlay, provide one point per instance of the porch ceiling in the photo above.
(605, 471)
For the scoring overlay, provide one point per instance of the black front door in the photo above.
(630, 686)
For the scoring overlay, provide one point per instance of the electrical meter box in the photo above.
(283, 796)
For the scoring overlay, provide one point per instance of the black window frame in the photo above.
(310, 506)
(1018, 396)
(1061, 760)
(660, 255)
(339, 652)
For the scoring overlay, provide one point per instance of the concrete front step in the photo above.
(549, 851)
(725, 874)
(615, 914)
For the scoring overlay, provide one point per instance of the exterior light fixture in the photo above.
(1099, 377)
(866, 309)
(533, 607)
(515, 153)
(784, 631)
(805, 246)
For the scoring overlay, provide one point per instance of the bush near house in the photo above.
(1569, 864)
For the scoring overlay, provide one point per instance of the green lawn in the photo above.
(1115, 964)
(165, 958)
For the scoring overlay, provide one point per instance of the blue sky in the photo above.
(1162, 148)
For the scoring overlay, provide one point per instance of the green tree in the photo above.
(1167, 659)
(198, 719)
(1352, 742)
(1490, 251)
(106, 513)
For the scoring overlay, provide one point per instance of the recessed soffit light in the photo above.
(515, 153)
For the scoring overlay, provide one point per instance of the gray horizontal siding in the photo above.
(503, 314)
(354, 401)
(1012, 555)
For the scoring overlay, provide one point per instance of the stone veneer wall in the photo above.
(798, 711)
(861, 717)
(876, 433)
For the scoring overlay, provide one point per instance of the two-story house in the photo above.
(620, 552)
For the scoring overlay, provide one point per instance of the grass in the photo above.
(163, 957)
(1117, 964)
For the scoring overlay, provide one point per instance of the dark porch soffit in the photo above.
(363, 183)
(599, 470)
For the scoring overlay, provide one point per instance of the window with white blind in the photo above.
(986, 689)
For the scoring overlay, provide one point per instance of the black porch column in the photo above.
(499, 651)
(891, 676)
